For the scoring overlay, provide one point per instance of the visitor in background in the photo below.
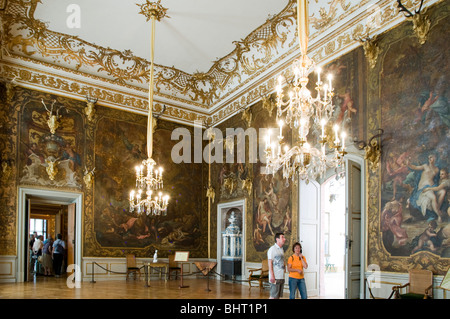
(59, 249)
(47, 256)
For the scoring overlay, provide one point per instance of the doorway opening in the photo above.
(332, 252)
(57, 212)
(47, 220)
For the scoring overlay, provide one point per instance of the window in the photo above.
(39, 226)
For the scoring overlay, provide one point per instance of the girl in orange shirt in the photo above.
(296, 265)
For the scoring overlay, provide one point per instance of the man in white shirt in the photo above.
(37, 246)
(275, 256)
(37, 251)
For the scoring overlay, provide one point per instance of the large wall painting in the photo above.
(120, 147)
(415, 115)
(271, 210)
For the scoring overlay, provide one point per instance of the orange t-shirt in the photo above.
(296, 264)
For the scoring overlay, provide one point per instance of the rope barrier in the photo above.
(160, 272)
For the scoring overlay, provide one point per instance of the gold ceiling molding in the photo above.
(327, 17)
(40, 43)
(11, 57)
(233, 82)
(42, 81)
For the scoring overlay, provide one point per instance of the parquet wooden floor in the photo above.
(57, 288)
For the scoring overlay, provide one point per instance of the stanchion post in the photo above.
(146, 274)
(207, 280)
(181, 275)
(92, 280)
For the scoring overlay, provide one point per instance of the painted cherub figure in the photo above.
(426, 237)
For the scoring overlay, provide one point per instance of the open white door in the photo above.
(353, 230)
(309, 220)
(28, 275)
(70, 234)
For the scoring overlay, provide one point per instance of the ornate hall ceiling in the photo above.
(212, 58)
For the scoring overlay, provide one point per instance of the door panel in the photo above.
(309, 219)
(70, 234)
(353, 230)
(28, 276)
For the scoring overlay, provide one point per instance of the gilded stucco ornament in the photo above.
(247, 185)
(53, 117)
(40, 44)
(247, 116)
(51, 167)
(268, 103)
(327, 15)
(6, 171)
(421, 27)
(421, 22)
(88, 177)
(371, 50)
(210, 193)
(90, 108)
(372, 150)
(229, 184)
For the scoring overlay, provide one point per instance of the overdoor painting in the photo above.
(50, 148)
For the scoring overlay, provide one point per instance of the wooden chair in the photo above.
(259, 274)
(445, 283)
(173, 266)
(132, 268)
(420, 285)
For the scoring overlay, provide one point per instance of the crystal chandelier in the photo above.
(148, 179)
(302, 112)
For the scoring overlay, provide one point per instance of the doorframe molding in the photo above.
(63, 198)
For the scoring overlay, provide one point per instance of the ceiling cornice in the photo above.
(41, 59)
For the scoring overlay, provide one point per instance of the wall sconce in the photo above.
(421, 23)
(247, 185)
(247, 115)
(372, 150)
(268, 103)
(210, 193)
(90, 107)
(156, 117)
(6, 170)
(88, 177)
(229, 184)
(371, 50)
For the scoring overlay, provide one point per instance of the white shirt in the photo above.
(276, 254)
(37, 245)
